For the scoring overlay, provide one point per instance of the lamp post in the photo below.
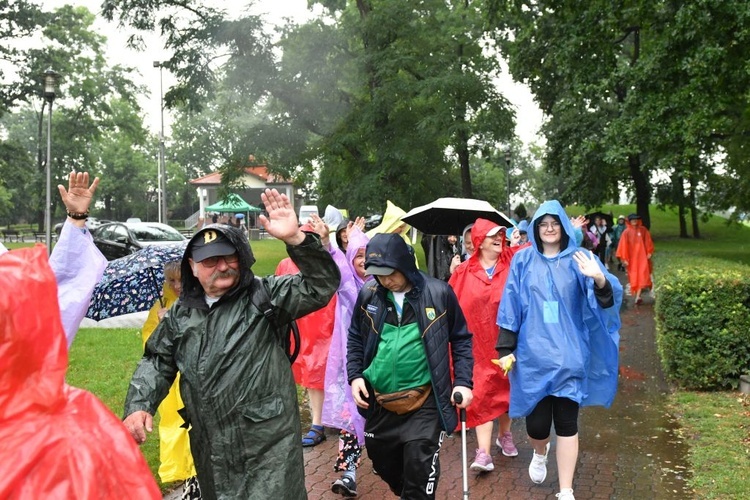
(162, 178)
(507, 177)
(50, 92)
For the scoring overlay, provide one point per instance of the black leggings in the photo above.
(563, 410)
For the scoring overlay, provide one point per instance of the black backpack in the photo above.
(288, 334)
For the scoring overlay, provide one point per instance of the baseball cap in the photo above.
(621, 217)
(633, 216)
(379, 271)
(211, 243)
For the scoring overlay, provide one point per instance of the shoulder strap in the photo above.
(261, 299)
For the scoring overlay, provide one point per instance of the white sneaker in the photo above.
(538, 467)
(566, 494)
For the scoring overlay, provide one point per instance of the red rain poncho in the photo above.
(315, 330)
(57, 441)
(479, 298)
(635, 248)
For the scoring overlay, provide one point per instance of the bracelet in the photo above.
(78, 215)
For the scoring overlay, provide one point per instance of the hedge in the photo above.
(702, 321)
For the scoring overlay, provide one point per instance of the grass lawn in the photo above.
(715, 424)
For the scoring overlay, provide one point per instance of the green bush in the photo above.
(702, 320)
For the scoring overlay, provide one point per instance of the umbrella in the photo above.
(608, 217)
(132, 283)
(452, 215)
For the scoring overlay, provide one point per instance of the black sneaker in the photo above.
(345, 486)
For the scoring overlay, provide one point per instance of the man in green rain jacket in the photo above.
(236, 383)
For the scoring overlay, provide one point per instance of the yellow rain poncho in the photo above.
(176, 461)
(392, 221)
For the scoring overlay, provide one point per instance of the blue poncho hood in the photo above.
(567, 343)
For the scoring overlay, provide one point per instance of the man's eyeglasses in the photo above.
(549, 225)
(213, 261)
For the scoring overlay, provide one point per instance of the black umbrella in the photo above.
(452, 215)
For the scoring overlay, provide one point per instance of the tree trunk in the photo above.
(683, 223)
(678, 195)
(694, 209)
(462, 148)
(642, 189)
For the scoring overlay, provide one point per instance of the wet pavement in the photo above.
(631, 450)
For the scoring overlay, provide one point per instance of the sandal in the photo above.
(314, 436)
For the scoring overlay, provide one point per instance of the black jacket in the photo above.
(441, 321)
(236, 382)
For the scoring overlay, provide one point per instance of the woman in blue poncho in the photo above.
(559, 322)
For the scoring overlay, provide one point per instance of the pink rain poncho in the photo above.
(339, 408)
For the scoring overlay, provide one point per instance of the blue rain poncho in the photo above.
(567, 343)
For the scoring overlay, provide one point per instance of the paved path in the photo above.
(631, 451)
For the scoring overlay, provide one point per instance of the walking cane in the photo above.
(458, 398)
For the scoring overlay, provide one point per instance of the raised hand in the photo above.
(359, 223)
(320, 227)
(589, 266)
(77, 198)
(281, 222)
(579, 221)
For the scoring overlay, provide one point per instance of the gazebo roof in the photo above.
(259, 172)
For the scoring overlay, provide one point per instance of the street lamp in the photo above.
(162, 178)
(50, 92)
(507, 177)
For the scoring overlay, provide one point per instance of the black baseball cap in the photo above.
(211, 243)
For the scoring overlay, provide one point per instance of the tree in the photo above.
(385, 99)
(88, 111)
(20, 20)
(647, 90)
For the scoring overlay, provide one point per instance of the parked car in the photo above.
(305, 211)
(373, 221)
(91, 223)
(118, 239)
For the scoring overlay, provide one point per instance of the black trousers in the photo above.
(404, 449)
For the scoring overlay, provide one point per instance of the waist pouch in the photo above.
(403, 402)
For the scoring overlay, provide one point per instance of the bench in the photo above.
(186, 232)
(12, 235)
(42, 237)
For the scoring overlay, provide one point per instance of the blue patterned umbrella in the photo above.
(134, 282)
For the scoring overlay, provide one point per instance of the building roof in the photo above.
(259, 172)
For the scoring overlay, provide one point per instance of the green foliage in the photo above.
(96, 124)
(19, 21)
(703, 321)
(641, 89)
(16, 174)
(370, 101)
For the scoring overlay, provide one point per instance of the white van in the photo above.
(305, 211)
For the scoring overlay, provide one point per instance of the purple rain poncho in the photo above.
(339, 408)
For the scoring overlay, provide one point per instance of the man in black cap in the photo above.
(236, 382)
(406, 329)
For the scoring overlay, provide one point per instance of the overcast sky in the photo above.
(528, 115)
